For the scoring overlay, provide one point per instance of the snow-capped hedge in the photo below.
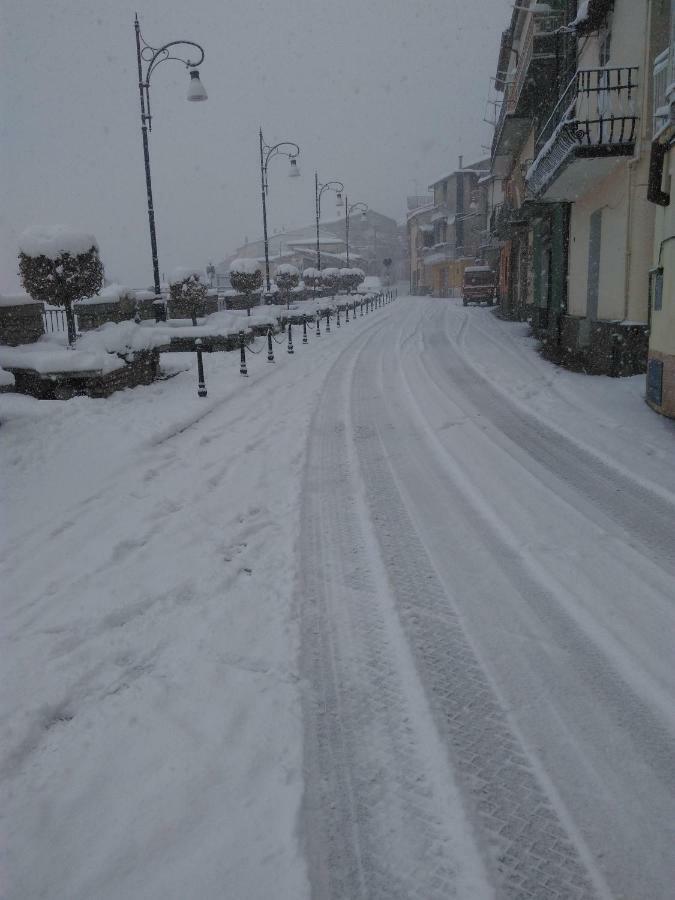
(181, 274)
(54, 240)
(60, 266)
(288, 269)
(245, 266)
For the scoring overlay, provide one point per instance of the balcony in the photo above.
(439, 253)
(593, 125)
(533, 77)
(664, 90)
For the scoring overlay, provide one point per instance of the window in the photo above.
(656, 289)
(605, 45)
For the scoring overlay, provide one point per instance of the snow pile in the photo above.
(95, 351)
(311, 273)
(111, 293)
(181, 273)
(245, 266)
(287, 269)
(6, 379)
(54, 240)
(52, 360)
(16, 300)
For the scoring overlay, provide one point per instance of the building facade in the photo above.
(661, 361)
(459, 222)
(572, 148)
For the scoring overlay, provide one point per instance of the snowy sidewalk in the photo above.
(150, 717)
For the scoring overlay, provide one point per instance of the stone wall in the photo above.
(93, 315)
(595, 347)
(21, 324)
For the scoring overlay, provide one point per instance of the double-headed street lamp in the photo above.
(291, 151)
(153, 56)
(336, 186)
(348, 211)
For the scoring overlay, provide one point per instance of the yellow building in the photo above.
(459, 222)
(593, 155)
(661, 363)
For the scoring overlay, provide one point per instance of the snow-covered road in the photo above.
(391, 619)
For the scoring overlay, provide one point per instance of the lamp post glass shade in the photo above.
(196, 89)
(339, 201)
(294, 170)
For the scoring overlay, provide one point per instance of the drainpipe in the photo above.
(644, 134)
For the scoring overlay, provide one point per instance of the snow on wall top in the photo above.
(53, 240)
(111, 293)
(16, 300)
(245, 266)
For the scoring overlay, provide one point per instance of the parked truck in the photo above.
(480, 285)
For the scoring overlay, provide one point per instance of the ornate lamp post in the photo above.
(266, 154)
(348, 211)
(336, 186)
(153, 56)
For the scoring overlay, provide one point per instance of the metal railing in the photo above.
(597, 108)
(664, 77)
(54, 320)
(540, 25)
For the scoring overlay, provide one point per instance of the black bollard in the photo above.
(361, 305)
(338, 317)
(327, 321)
(304, 328)
(347, 313)
(318, 324)
(290, 338)
(270, 348)
(242, 348)
(201, 384)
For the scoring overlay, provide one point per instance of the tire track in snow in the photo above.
(644, 515)
(377, 808)
(532, 851)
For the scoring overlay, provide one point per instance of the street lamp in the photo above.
(266, 154)
(336, 186)
(153, 56)
(348, 211)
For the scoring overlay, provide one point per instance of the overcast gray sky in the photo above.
(380, 94)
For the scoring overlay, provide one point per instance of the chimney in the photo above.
(461, 161)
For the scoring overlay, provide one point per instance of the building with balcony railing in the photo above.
(576, 230)
(660, 388)
(594, 124)
(458, 218)
(533, 45)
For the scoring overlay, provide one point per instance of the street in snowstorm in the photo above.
(337, 431)
(393, 619)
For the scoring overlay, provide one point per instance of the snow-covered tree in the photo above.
(287, 277)
(350, 279)
(187, 291)
(331, 279)
(59, 266)
(246, 277)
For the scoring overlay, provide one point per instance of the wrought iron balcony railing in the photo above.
(596, 116)
(664, 78)
(538, 49)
